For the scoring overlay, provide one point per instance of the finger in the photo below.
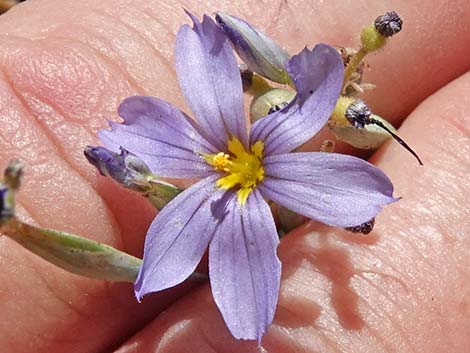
(56, 91)
(401, 288)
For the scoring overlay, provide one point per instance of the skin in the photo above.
(66, 65)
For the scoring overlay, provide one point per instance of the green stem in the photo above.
(353, 65)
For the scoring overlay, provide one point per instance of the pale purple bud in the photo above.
(259, 52)
(125, 168)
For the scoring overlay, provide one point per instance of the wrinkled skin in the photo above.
(65, 66)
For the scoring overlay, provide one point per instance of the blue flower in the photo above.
(227, 210)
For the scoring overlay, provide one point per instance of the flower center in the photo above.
(243, 169)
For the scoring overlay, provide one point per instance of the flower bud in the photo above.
(338, 116)
(132, 172)
(259, 52)
(388, 24)
(125, 168)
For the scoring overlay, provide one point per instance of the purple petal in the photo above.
(209, 77)
(318, 76)
(332, 188)
(244, 269)
(178, 238)
(164, 137)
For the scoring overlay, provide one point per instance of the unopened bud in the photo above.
(259, 52)
(130, 171)
(388, 24)
(125, 168)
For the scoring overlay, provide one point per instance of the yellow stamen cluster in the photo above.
(243, 169)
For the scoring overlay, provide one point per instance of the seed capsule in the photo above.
(269, 102)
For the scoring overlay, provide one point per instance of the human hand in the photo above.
(67, 65)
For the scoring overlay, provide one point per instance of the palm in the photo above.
(402, 287)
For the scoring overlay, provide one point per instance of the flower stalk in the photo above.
(353, 65)
(70, 252)
(373, 38)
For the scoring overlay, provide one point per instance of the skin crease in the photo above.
(402, 288)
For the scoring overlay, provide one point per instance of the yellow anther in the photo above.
(221, 160)
(243, 169)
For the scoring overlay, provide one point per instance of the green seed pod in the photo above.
(369, 138)
(269, 102)
(74, 254)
